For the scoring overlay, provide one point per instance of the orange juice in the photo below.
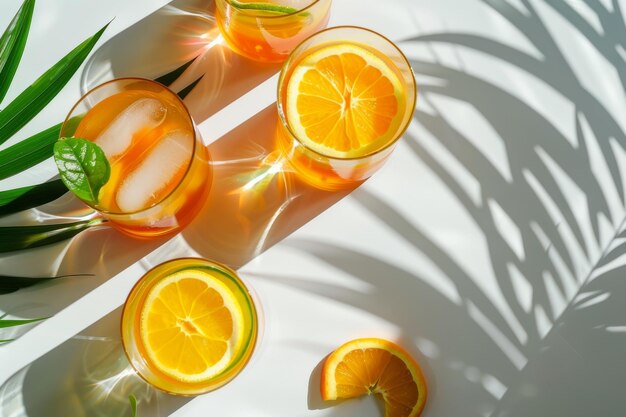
(345, 96)
(189, 326)
(268, 31)
(159, 167)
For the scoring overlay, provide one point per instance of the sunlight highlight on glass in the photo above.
(189, 326)
(160, 173)
(345, 96)
(268, 31)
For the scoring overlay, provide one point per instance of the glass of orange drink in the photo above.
(160, 171)
(345, 97)
(189, 326)
(268, 30)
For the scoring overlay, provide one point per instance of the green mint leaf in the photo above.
(83, 167)
(263, 7)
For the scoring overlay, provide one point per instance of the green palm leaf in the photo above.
(28, 152)
(21, 110)
(185, 91)
(18, 199)
(169, 78)
(24, 237)
(12, 45)
(13, 323)
(133, 405)
(9, 284)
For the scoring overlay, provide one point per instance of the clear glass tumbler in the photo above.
(160, 170)
(269, 31)
(168, 323)
(321, 162)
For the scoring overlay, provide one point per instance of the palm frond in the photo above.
(169, 78)
(18, 199)
(30, 102)
(12, 45)
(14, 238)
(12, 323)
(10, 284)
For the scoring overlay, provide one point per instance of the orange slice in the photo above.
(345, 100)
(379, 367)
(191, 326)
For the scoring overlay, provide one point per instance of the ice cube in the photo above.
(118, 135)
(171, 153)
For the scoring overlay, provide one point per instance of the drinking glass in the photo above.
(136, 350)
(269, 31)
(159, 159)
(332, 172)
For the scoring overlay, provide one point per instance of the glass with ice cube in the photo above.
(160, 171)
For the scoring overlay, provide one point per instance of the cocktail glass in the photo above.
(333, 171)
(160, 171)
(268, 31)
(137, 347)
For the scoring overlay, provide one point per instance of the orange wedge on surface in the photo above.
(345, 100)
(191, 326)
(379, 367)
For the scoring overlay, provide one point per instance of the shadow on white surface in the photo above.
(256, 199)
(237, 224)
(549, 208)
(181, 30)
(88, 375)
(546, 335)
(83, 254)
(170, 37)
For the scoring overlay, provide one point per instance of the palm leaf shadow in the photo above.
(404, 299)
(616, 252)
(606, 43)
(522, 134)
(509, 195)
(598, 307)
(467, 288)
(586, 344)
(575, 162)
(393, 288)
(553, 69)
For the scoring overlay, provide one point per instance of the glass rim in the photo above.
(186, 112)
(197, 262)
(250, 12)
(283, 71)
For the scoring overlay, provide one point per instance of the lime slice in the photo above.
(263, 7)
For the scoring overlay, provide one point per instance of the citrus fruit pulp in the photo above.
(379, 367)
(344, 100)
(189, 326)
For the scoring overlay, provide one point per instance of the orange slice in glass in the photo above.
(191, 326)
(345, 100)
(379, 367)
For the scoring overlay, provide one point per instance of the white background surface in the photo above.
(489, 245)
